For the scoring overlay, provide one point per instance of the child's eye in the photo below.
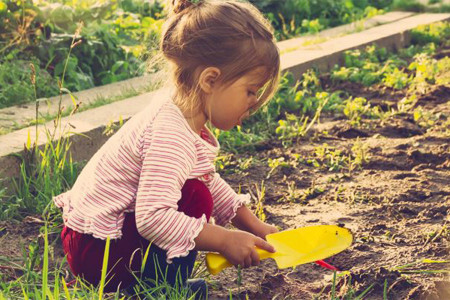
(250, 93)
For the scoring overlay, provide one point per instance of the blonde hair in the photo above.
(230, 35)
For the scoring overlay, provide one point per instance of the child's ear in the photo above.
(208, 79)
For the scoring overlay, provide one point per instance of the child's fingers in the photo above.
(260, 243)
(248, 262)
(255, 258)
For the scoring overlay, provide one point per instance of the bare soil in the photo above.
(396, 206)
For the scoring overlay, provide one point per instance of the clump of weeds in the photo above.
(275, 164)
(295, 195)
(259, 200)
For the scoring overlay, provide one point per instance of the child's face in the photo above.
(228, 106)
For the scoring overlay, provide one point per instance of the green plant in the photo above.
(48, 170)
(339, 193)
(346, 287)
(14, 72)
(426, 70)
(292, 194)
(294, 127)
(37, 281)
(355, 108)
(443, 71)
(112, 126)
(406, 104)
(359, 156)
(396, 79)
(312, 192)
(424, 118)
(409, 5)
(244, 164)
(110, 50)
(331, 158)
(275, 164)
(21, 24)
(239, 139)
(408, 268)
(259, 199)
(293, 17)
(436, 33)
(223, 161)
(360, 153)
(291, 128)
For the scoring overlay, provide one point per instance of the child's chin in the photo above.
(226, 127)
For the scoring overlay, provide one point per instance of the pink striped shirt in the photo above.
(142, 168)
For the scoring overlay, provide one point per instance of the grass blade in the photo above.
(385, 290)
(333, 287)
(361, 296)
(104, 268)
(45, 265)
(66, 290)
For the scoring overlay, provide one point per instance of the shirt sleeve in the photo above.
(226, 200)
(169, 157)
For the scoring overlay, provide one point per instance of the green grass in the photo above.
(39, 281)
(417, 6)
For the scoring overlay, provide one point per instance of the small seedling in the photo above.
(224, 163)
(245, 163)
(112, 126)
(312, 192)
(275, 164)
(259, 199)
(355, 108)
(292, 194)
(329, 157)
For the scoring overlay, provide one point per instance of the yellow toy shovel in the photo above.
(295, 247)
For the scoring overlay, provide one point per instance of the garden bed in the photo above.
(387, 179)
(397, 208)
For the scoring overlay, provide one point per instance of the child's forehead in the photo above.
(256, 77)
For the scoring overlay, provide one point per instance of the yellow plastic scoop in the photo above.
(295, 247)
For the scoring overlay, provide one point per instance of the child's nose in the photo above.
(253, 103)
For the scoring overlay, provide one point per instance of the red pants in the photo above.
(85, 253)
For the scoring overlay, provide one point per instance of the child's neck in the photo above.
(196, 122)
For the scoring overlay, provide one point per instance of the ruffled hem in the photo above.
(191, 243)
(59, 200)
(89, 227)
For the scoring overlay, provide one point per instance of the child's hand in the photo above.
(239, 248)
(263, 229)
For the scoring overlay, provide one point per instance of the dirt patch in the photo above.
(439, 94)
(396, 205)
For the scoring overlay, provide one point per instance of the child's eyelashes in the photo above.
(251, 93)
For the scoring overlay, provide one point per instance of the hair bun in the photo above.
(179, 5)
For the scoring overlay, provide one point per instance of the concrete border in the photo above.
(322, 56)
(339, 31)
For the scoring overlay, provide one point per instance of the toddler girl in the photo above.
(153, 184)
